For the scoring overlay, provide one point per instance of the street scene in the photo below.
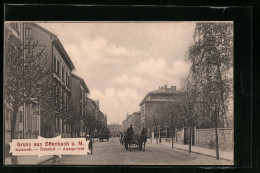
(106, 152)
(139, 93)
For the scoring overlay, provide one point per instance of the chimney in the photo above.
(174, 87)
(165, 87)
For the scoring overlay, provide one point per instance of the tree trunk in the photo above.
(172, 138)
(151, 135)
(13, 133)
(71, 130)
(190, 139)
(160, 139)
(166, 134)
(217, 147)
(157, 137)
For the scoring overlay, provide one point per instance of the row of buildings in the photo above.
(157, 102)
(154, 102)
(68, 90)
(132, 119)
(115, 129)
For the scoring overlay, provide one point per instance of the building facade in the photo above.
(58, 62)
(79, 92)
(156, 102)
(28, 120)
(134, 120)
(115, 129)
(62, 66)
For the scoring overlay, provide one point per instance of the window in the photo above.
(28, 32)
(62, 73)
(54, 62)
(6, 116)
(81, 108)
(54, 94)
(84, 98)
(66, 79)
(63, 126)
(80, 94)
(20, 117)
(65, 100)
(56, 124)
(58, 95)
(68, 128)
(58, 67)
(62, 99)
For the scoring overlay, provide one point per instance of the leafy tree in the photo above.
(211, 57)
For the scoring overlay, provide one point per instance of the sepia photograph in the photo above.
(118, 93)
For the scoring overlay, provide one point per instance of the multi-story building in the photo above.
(125, 123)
(134, 120)
(79, 92)
(92, 111)
(62, 66)
(157, 100)
(115, 129)
(56, 59)
(24, 124)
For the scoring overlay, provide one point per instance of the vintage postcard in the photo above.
(118, 93)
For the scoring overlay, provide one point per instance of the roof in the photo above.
(81, 81)
(136, 113)
(59, 46)
(167, 91)
(94, 103)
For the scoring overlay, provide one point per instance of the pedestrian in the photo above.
(90, 144)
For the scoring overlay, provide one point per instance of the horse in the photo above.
(129, 140)
(143, 139)
(138, 139)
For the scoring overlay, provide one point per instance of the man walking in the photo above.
(90, 144)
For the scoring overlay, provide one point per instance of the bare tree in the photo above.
(24, 69)
(174, 119)
(150, 123)
(190, 105)
(211, 57)
(160, 118)
(90, 121)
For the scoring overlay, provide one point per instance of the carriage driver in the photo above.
(130, 132)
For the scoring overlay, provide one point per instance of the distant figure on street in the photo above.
(90, 144)
(130, 133)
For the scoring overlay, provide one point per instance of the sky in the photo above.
(122, 61)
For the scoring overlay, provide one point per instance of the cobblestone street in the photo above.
(112, 153)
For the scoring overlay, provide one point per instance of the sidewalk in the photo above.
(194, 149)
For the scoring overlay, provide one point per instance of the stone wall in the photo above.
(206, 138)
(179, 138)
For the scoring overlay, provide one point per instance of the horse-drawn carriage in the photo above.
(104, 135)
(136, 140)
